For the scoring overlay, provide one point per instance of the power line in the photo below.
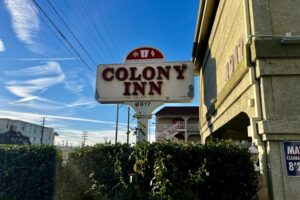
(87, 10)
(63, 36)
(68, 48)
(76, 38)
(107, 30)
(88, 26)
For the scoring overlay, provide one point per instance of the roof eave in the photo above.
(206, 15)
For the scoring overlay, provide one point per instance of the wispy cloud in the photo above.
(40, 82)
(49, 68)
(42, 78)
(83, 102)
(34, 117)
(75, 83)
(38, 59)
(23, 91)
(25, 21)
(2, 47)
(31, 84)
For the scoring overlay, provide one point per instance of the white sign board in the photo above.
(165, 81)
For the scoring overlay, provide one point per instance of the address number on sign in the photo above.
(142, 104)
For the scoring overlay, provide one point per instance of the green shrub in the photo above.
(96, 173)
(158, 171)
(145, 171)
(27, 172)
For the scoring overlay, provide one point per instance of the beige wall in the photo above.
(275, 17)
(265, 85)
(228, 29)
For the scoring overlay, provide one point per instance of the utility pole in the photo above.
(128, 116)
(117, 123)
(43, 127)
(149, 132)
(84, 137)
(105, 139)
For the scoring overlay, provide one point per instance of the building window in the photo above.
(23, 128)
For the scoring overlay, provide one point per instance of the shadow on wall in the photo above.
(235, 129)
(209, 87)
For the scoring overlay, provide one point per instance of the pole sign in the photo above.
(292, 157)
(157, 81)
(145, 81)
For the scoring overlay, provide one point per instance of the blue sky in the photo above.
(42, 76)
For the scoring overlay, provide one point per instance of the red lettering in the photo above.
(155, 87)
(227, 72)
(121, 74)
(231, 65)
(235, 56)
(127, 88)
(149, 73)
(139, 87)
(180, 69)
(133, 76)
(240, 50)
(105, 74)
(235, 59)
(163, 71)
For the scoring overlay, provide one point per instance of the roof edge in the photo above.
(206, 15)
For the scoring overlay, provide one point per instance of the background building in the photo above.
(32, 131)
(177, 124)
(247, 56)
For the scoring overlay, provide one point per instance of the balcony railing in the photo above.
(168, 131)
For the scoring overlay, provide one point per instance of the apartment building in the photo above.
(12, 129)
(178, 124)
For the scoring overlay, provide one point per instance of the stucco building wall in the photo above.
(247, 56)
(33, 131)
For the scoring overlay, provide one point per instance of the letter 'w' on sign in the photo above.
(144, 53)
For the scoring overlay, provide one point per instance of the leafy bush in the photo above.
(158, 171)
(145, 171)
(95, 173)
(27, 172)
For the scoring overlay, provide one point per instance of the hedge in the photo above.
(145, 171)
(27, 172)
(158, 171)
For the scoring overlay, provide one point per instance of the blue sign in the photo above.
(292, 157)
